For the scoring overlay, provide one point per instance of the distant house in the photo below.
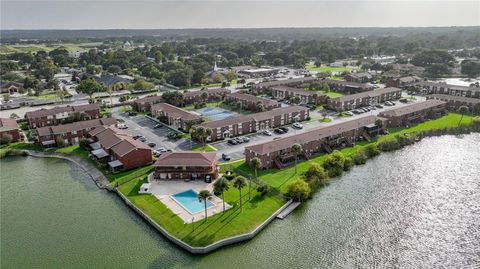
(367, 98)
(187, 165)
(403, 81)
(265, 86)
(114, 82)
(119, 150)
(57, 115)
(174, 116)
(10, 87)
(249, 102)
(414, 113)
(427, 87)
(362, 77)
(346, 86)
(69, 133)
(306, 97)
(9, 127)
(145, 104)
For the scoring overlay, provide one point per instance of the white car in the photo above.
(297, 125)
(122, 126)
(267, 132)
(349, 113)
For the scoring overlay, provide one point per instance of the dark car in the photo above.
(379, 106)
(151, 144)
(158, 126)
(278, 131)
(403, 100)
(232, 142)
(143, 139)
(225, 157)
(245, 139)
(135, 137)
(284, 129)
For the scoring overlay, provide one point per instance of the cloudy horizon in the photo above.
(235, 14)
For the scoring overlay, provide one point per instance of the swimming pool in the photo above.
(215, 113)
(189, 201)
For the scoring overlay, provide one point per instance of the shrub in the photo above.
(316, 176)
(230, 177)
(299, 190)
(334, 164)
(389, 145)
(262, 189)
(84, 143)
(6, 139)
(347, 165)
(360, 158)
(371, 151)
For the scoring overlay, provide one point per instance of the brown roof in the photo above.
(445, 85)
(296, 90)
(186, 158)
(370, 94)
(254, 117)
(253, 98)
(411, 108)
(75, 126)
(346, 83)
(148, 99)
(7, 124)
(175, 112)
(208, 91)
(286, 82)
(128, 145)
(53, 111)
(312, 135)
(446, 97)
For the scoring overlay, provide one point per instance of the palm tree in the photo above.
(462, 110)
(221, 186)
(255, 163)
(203, 196)
(199, 133)
(192, 135)
(239, 183)
(110, 92)
(208, 132)
(296, 149)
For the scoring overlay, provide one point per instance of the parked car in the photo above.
(354, 111)
(135, 137)
(379, 106)
(239, 140)
(158, 126)
(142, 139)
(278, 131)
(284, 129)
(372, 108)
(267, 133)
(388, 103)
(162, 150)
(226, 157)
(403, 100)
(297, 125)
(232, 142)
(122, 126)
(245, 139)
(156, 153)
(151, 144)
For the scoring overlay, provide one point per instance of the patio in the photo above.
(164, 189)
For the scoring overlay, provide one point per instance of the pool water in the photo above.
(189, 200)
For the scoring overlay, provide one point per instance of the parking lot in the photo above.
(141, 125)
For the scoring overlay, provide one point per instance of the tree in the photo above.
(462, 110)
(230, 76)
(256, 163)
(239, 183)
(296, 149)
(61, 94)
(437, 70)
(114, 69)
(316, 175)
(204, 96)
(379, 123)
(6, 139)
(221, 186)
(299, 190)
(318, 63)
(334, 164)
(470, 68)
(141, 85)
(260, 107)
(6, 97)
(217, 78)
(60, 141)
(204, 196)
(90, 86)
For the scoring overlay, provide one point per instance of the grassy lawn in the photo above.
(332, 94)
(326, 68)
(47, 96)
(208, 148)
(336, 78)
(222, 225)
(211, 104)
(326, 119)
(281, 178)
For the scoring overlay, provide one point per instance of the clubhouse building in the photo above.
(187, 165)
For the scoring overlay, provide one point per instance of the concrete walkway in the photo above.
(97, 176)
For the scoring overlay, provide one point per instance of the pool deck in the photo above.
(164, 189)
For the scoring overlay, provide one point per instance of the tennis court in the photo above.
(215, 113)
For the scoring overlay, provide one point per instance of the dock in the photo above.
(289, 209)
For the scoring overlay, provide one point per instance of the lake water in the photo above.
(417, 207)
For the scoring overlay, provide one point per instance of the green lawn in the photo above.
(326, 119)
(211, 104)
(332, 94)
(222, 225)
(326, 68)
(281, 178)
(208, 148)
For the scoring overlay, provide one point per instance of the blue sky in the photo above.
(82, 14)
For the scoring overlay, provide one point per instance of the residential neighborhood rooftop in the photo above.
(412, 108)
(186, 158)
(176, 112)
